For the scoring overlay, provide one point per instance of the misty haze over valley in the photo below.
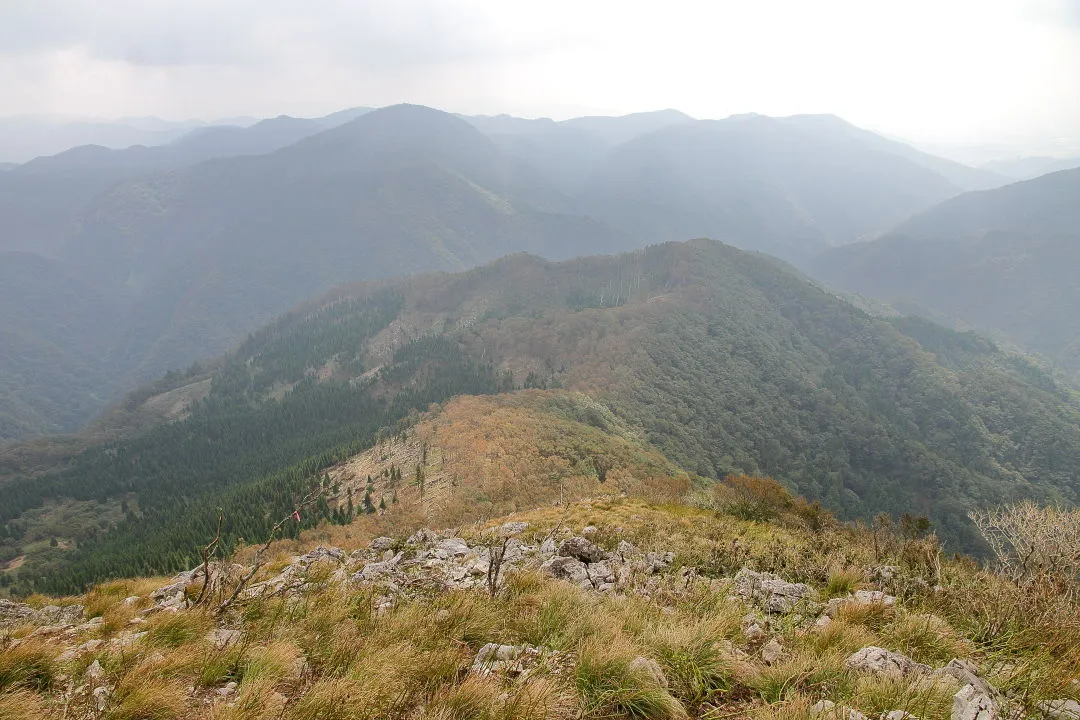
(478, 360)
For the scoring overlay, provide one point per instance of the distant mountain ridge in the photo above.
(206, 237)
(1001, 261)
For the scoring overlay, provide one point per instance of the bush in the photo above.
(1033, 544)
(757, 499)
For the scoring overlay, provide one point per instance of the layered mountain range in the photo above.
(175, 252)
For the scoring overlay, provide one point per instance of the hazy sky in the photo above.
(950, 70)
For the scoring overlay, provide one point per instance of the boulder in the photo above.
(582, 549)
(884, 662)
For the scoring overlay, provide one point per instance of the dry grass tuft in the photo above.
(22, 705)
(31, 664)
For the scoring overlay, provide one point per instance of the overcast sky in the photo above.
(947, 70)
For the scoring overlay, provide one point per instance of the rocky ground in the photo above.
(397, 571)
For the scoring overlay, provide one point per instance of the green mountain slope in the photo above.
(1001, 261)
(721, 359)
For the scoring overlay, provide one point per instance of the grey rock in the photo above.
(423, 537)
(772, 651)
(222, 638)
(657, 561)
(650, 669)
(567, 568)
(16, 613)
(967, 674)
(829, 709)
(95, 671)
(588, 530)
(378, 570)
(381, 544)
(884, 662)
(227, 690)
(971, 704)
(451, 548)
(770, 592)
(600, 573)
(321, 554)
(874, 597)
(628, 550)
(582, 549)
(1060, 709)
(899, 715)
(547, 548)
(513, 528)
(754, 633)
(509, 659)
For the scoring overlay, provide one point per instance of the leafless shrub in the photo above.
(1034, 544)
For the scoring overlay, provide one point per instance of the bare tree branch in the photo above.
(258, 560)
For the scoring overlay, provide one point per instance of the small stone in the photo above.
(227, 690)
(582, 549)
(222, 638)
(770, 592)
(970, 704)
(95, 671)
(567, 568)
(899, 715)
(588, 530)
(547, 548)
(131, 600)
(627, 549)
(771, 652)
(512, 528)
(649, 668)
(1063, 709)
(754, 633)
(382, 544)
(874, 597)
(883, 662)
(822, 622)
(965, 673)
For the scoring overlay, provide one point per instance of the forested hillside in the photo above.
(722, 360)
(1002, 262)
